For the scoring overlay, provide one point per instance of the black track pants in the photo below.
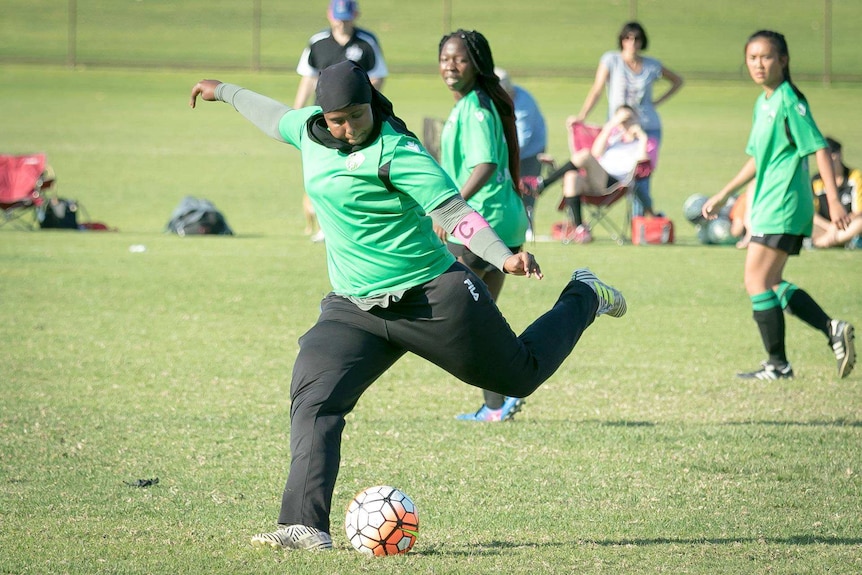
(450, 321)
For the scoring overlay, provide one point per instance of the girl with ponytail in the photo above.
(782, 137)
(479, 150)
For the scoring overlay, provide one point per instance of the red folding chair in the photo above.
(23, 183)
(598, 208)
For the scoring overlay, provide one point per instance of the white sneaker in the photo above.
(841, 338)
(294, 537)
(318, 237)
(611, 300)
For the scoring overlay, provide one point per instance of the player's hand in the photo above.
(441, 233)
(205, 89)
(523, 264)
(712, 206)
(838, 214)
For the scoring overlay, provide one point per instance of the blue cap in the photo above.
(343, 9)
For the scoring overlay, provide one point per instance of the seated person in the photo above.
(615, 153)
(849, 183)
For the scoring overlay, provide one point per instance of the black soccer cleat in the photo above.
(769, 371)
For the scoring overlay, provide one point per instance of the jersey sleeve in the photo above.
(414, 172)
(477, 137)
(806, 134)
(293, 124)
(304, 67)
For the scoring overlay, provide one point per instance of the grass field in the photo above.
(643, 454)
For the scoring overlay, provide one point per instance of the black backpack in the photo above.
(195, 216)
(59, 213)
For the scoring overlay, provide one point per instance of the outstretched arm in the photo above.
(205, 89)
(262, 111)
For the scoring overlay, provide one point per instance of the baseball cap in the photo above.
(343, 9)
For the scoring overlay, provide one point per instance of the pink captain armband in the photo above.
(467, 228)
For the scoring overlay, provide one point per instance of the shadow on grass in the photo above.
(841, 422)
(491, 548)
(793, 540)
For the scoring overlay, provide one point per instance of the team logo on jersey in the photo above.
(413, 147)
(480, 115)
(354, 160)
(353, 53)
(800, 107)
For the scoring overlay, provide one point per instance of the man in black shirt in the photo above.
(341, 41)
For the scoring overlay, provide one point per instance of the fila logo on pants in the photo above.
(472, 289)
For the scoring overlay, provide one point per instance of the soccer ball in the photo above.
(718, 232)
(692, 208)
(382, 521)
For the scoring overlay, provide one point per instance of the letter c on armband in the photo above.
(468, 227)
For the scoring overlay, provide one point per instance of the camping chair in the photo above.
(598, 208)
(23, 183)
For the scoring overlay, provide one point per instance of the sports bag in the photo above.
(194, 216)
(59, 213)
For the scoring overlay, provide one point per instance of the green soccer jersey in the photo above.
(473, 135)
(379, 238)
(781, 203)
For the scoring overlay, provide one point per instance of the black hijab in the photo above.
(343, 85)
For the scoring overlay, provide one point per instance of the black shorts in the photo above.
(788, 243)
(471, 260)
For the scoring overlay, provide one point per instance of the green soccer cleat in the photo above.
(294, 537)
(841, 338)
(611, 300)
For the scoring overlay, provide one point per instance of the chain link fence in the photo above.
(695, 38)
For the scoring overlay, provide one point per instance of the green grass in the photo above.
(642, 454)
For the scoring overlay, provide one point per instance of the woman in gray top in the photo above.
(629, 77)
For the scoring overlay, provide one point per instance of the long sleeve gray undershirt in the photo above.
(266, 113)
(260, 110)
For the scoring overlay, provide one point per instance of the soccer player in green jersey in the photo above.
(479, 150)
(783, 135)
(395, 286)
